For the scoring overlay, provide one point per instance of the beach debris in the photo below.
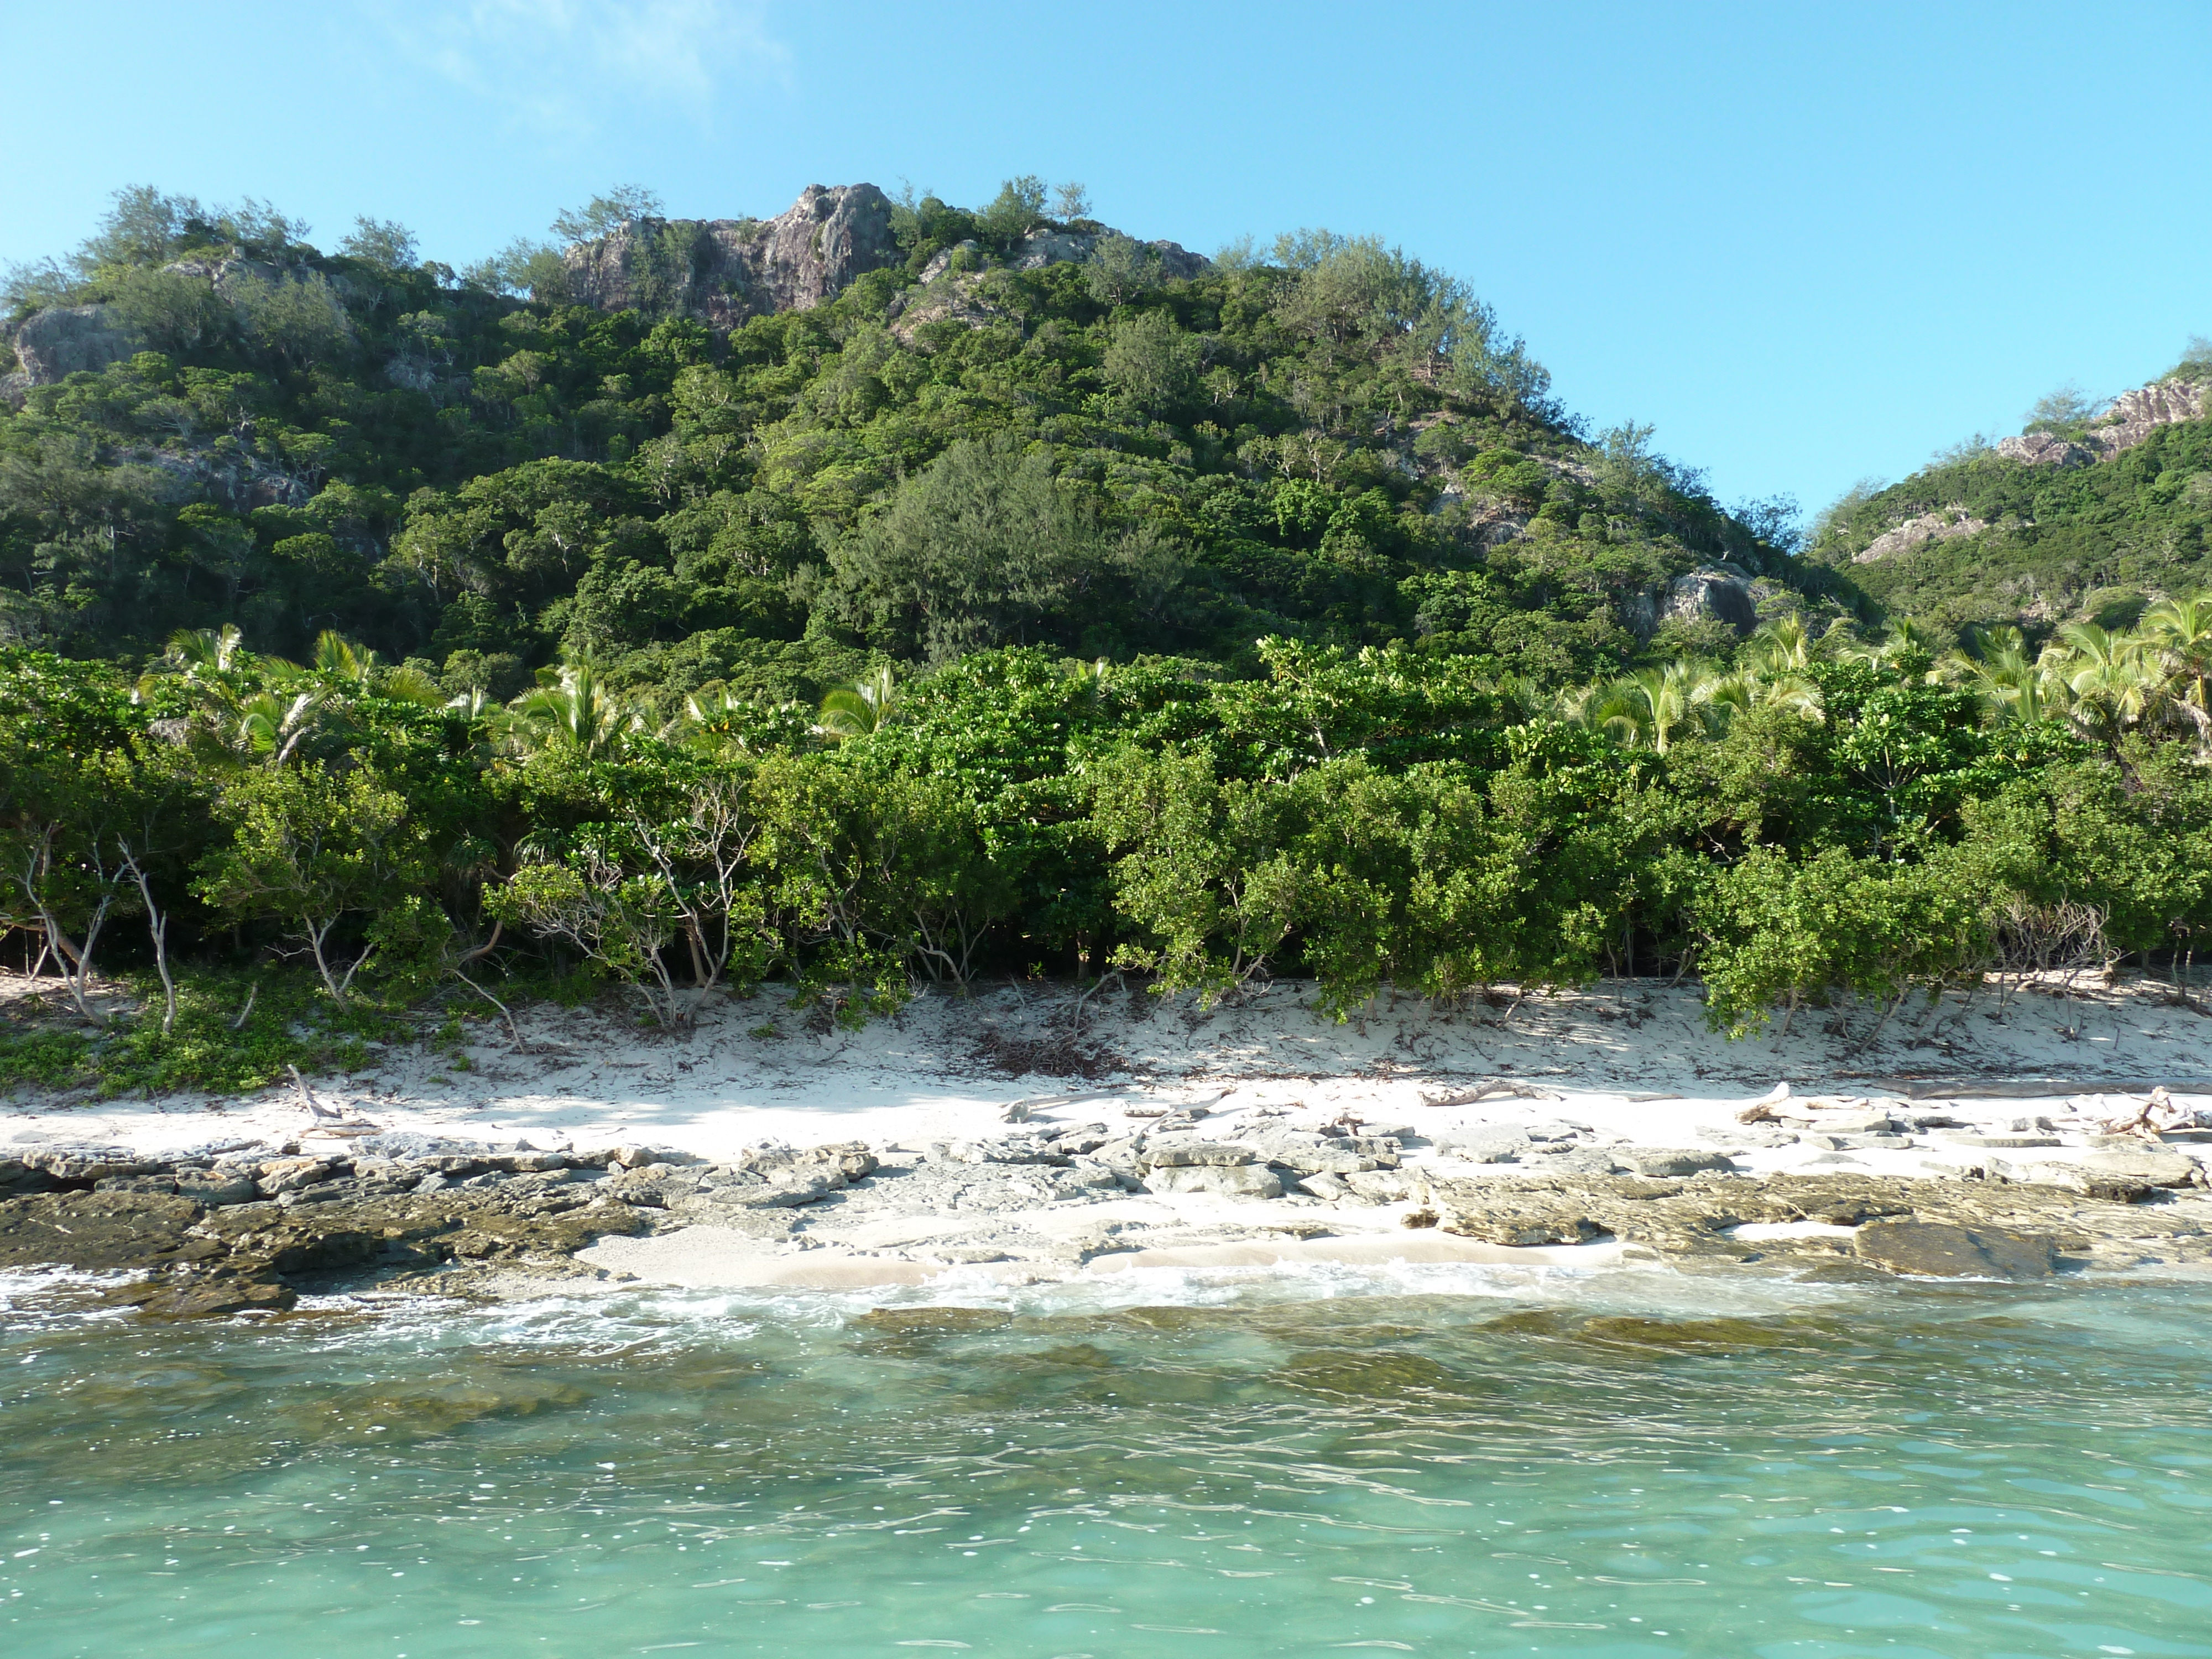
(1762, 1109)
(327, 1120)
(1494, 1088)
(2154, 1117)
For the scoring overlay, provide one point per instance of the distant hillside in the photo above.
(762, 453)
(2086, 516)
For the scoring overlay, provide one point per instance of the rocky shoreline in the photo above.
(248, 1229)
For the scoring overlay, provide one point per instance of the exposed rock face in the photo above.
(1715, 592)
(723, 271)
(2043, 449)
(1040, 248)
(2132, 417)
(61, 340)
(952, 300)
(1940, 525)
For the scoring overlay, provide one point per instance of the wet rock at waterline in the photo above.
(1938, 1249)
(1700, 1216)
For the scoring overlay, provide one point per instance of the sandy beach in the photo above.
(1004, 1135)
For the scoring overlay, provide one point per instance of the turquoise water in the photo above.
(1442, 1462)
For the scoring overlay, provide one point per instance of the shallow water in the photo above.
(1433, 1460)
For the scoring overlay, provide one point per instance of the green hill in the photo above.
(762, 453)
(2087, 517)
(886, 592)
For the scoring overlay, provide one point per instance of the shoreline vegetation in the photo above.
(908, 607)
(1606, 1129)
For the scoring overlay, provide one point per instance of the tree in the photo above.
(1152, 362)
(604, 215)
(857, 710)
(571, 708)
(1017, 209)
(1203, 871)
(384, 243)
(620, 919)
(2069, 407)
(982, 549)
(310, 848)
(297, 318)
(62, 863)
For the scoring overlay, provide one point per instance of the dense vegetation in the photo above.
(1271, 620)
(2098, 542)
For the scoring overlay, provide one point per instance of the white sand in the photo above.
(1631, 1064)
(596, 1079)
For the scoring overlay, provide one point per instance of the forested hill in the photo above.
(2096, 512)
(765, 453)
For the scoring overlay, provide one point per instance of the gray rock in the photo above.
(1666, 1161)
(17, 1176)
(941, 261)
(2045, 449)
(1940, 1249)
(1941, 525)
(1305, 1156)
(81, 1164)
(1545, 1129)
(1228, 1180)
(1329, 1188)
(1754, 1136)
(1843, 1123)
(277, 1176)
(2125, 1176)
(1578, 1161)
(215, 1188)
(160, 1183)
(1715, 592)
(2021, 1140)
(1484, 1146)
(2131, 418)
(64, 340)
(1380, 1186)
(723, 271)
(1184, 1153)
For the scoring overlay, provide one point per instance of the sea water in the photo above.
(1443, 1460)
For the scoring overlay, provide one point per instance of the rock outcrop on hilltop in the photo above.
(2132, 417)
(723, 271)
(1940, 525)
(62, 340)
(1719, 592)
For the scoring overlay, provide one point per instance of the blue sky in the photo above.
(1807, 243)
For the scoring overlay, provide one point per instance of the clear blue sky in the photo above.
(1809, 242)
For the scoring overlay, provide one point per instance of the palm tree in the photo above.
(862, 709)
(339, 659)
(271, 725)
(725, 722)
(1644, 709)
(2180, 632)
(2016, 688)
(1780, 647)
(2112, 680)
(195, 651)
(570, 708)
